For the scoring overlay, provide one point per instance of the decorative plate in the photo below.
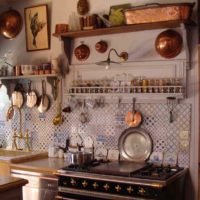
(135, 144)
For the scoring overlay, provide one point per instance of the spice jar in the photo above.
(47, 68)
(41, 70)
(17, 70)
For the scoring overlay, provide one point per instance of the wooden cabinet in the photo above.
(4, 169)
(11, 188)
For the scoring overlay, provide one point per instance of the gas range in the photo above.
(121, 180)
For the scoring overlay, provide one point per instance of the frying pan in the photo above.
(135, 144)
(44, 101)
(31, 97)
(10, 24)
(17, 96)
(133, 118)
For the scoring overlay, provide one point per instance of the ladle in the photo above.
(58, 119)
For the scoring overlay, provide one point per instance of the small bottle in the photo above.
(17, 70)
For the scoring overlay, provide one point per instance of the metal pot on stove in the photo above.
(79, 158)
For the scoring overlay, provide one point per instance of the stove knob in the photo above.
(106, 187)
(64, 183)
(142, 191)
(84, 183)
(118, 188)
(73, 182)
(95, 185)
(129, 189)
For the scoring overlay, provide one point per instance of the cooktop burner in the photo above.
(86, 167)
(156, 172)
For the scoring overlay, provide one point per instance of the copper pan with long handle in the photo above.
(133, 118)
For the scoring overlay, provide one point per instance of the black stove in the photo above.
(121, 180)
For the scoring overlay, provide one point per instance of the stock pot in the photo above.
(79, 158)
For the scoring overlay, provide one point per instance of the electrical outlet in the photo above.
(184, 135)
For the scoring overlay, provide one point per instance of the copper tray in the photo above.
(158, 13)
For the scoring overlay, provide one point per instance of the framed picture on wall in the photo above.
(37, 28)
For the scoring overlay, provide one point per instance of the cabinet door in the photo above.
(4, 169)
(31, 193)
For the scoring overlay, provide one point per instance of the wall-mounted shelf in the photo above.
(122, 29)
(29, 76)
(6, 80)
(69, 36)
(141, 92)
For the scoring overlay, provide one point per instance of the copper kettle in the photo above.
(10, 24)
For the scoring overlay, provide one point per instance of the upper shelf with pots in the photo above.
(123, 29)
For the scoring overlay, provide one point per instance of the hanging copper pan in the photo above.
(10, 24)
(169, 43)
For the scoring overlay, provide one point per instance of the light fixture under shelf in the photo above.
(106, 63)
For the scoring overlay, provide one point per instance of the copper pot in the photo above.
(10, 24)
(101, 46)
(169, 43)
(82, 52)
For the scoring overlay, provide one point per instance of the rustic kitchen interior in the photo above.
(99, 99)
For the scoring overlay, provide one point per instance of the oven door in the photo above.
(75, 194)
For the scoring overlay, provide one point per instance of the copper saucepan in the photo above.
(10, 23)
(133, 118)
(169, 43)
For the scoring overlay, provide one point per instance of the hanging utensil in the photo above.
(10, 112)
(84, 114)
(17, 95)
(55, 89)
(171, 104)
(31, 97)
(44, 101)
(59, 119)
(133, 118)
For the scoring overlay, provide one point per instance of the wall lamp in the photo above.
(123, 56)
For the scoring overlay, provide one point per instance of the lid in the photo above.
(135, 145)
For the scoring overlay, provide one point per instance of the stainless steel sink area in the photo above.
(17, 155)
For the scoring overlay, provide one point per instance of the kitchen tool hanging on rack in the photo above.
(171, 104)
(17, 95)
(84, 117)
(55, 89)
(44, 101)
(133, 118)
(32, 98)
(58, 120)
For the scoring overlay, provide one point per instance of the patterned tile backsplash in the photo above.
(105, 126)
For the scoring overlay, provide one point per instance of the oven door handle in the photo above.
(63, 198)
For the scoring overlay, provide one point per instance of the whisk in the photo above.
(171, 104)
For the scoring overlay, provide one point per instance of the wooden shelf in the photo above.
(123, 29)
(6, 80)
(28, 76)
